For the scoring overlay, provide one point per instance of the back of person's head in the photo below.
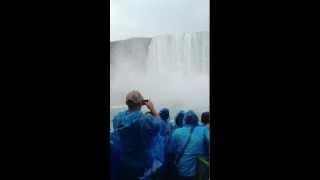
(205, 119)
(134, 100)
(191, 118)
(179, 119)
(164, 114)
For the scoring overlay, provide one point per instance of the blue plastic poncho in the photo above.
(165, 127)
(135, 136)
(164, 114)
(198, 145)
(165, 131)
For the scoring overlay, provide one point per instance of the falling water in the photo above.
(172, 70)
(187, 53)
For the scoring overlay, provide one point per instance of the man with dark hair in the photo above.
(136, 134)
(205, 119)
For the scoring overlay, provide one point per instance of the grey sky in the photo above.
(147, 18)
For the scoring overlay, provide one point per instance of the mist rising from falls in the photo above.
(171, 70)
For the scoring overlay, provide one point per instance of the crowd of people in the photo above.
(148, 146)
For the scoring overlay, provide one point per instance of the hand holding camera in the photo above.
(150, 106)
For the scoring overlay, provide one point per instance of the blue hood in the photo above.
(191, 118)
(164, 114)
(179, 119)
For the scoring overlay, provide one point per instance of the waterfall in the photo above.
(172, 70)
(187, 53)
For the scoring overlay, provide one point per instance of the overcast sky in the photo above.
(147, 18)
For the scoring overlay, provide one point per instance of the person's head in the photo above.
(191, 118)
(164, 114)
(179, 119)
(205, 119)
(134, 100)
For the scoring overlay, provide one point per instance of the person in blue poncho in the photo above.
(205, 120)
(186, 152)
(179, 120)
(161, 141)
(166, 127)
(134, 136)
(168, 168)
